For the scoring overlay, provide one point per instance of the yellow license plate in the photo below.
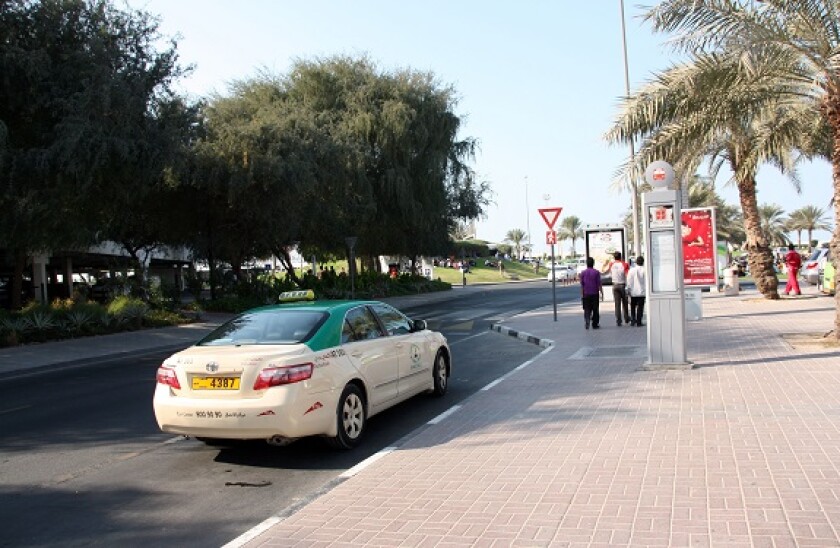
(215, 383)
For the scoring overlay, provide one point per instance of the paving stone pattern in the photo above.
(741, 450)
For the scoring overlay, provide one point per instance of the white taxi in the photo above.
(312, 368)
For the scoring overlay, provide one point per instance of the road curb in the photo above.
(527, 337)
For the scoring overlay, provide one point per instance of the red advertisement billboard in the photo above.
(699, 247)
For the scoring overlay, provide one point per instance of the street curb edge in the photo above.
(527, 337)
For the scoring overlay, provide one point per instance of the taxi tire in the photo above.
(351, 418)
(440, 374)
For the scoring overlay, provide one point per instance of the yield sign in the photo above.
(549, 215)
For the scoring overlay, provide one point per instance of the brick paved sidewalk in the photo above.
(580, 448)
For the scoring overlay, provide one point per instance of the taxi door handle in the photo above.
(357, 354)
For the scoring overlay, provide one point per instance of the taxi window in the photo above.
(395, 323)
(275, 327)
(359, 325)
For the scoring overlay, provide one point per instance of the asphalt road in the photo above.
(82, 462)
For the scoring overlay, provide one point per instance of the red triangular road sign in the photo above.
(550, 215)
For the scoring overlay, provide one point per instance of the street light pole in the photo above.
(528, 217)
(634, 188)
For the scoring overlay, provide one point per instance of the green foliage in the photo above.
(127, 311)
(68, 318)
(470, 248)
(516, 237)
(162, 318)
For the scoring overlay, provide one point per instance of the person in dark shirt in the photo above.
(590, 290)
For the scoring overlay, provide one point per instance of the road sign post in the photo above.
(550, 216)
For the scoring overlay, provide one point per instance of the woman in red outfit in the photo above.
(793, 262)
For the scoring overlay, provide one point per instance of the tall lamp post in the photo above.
(634, 187)
(528, 217)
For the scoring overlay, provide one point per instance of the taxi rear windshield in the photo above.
(280, 327)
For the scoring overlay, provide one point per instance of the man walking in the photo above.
(636, 288)
(618, 271)
(590, 290)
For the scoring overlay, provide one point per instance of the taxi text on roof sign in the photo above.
(292, 296)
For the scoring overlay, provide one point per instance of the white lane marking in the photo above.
(453, 343)
(173, 440)
(492, 384)
(253, 532)
(445, 414)
(365, 463)
(13, 409)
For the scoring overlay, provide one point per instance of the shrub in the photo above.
(41, 323)
(11, 330)
(128, 312)
(86, 319)
(162, 318)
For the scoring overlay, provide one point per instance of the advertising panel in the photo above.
(699, 247)
(602, 242)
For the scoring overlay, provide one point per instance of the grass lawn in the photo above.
(485, 274)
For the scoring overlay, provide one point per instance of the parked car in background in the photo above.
(811, 267)
(829, 276)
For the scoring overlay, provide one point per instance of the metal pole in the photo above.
(634, 188)
(553, 283)
(528, 217)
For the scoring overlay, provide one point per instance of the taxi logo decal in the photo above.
(266, 413)
(324, 359)
(315, 406)
(415, 354)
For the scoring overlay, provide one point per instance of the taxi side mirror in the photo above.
(419, 325)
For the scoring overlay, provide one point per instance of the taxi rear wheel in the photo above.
(350, 418)
(440, 374)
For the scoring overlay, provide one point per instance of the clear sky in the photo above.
(539, 83)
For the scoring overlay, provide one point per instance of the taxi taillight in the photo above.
(275, 376)
(168, 377)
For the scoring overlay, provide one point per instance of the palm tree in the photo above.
(694, 111)
(811, 218)
(796, 224)
(802, 38)
(571, 228)
(516, 236)
(730, 224)
(774, 225)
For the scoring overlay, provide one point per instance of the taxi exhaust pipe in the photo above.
(280, 441)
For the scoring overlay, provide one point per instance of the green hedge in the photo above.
(65, 319)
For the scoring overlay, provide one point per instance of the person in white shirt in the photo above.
(636, 288)
(618, 272)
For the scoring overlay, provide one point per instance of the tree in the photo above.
(800, 38)
(81, 100)
(335, 148)
(516, 236)
(773, 224)
(809, 218)
(572, 229)
(706, 108)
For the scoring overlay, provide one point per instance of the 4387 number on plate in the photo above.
(215, 383)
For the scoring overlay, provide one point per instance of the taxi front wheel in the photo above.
(350, 418)
(440, 374)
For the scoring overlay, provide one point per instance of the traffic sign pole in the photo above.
(550, 216)
(553, 283)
